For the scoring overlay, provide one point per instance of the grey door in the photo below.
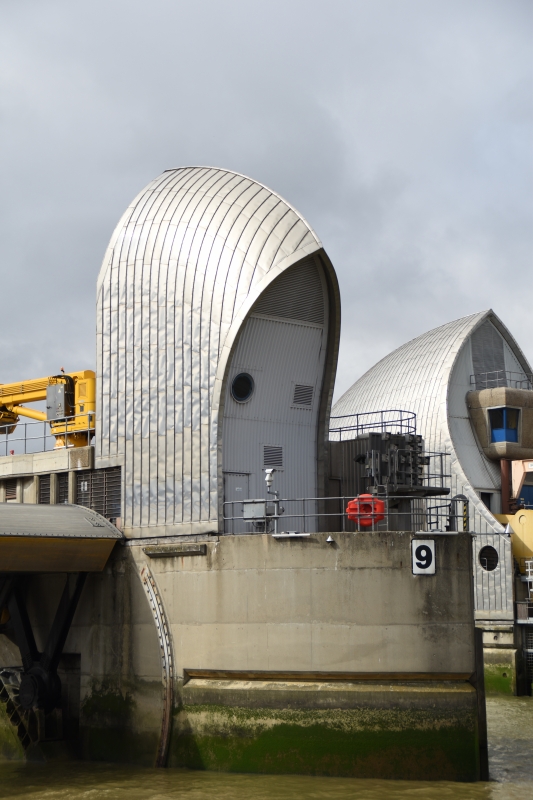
(236, 489)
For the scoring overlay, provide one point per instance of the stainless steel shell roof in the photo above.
(418, 377)
(55, 521)
(184, 266)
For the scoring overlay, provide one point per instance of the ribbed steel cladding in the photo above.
(416, 377)
(180, 265)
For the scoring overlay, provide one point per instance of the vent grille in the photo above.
(303, 396)
(487, 351)
(44, 490)
(272, 456)
(99, 490)
(11, 490)
(528, 658)
(62, 487)
(296, 294)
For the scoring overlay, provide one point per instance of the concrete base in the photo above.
(257, 655)
(501, 670)
(352, 729)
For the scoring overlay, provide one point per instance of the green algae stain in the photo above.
(332, 743)
(111, 726)
(108, 703)
(10, 747)
(499, 679)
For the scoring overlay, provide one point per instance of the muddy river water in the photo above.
(510, 723)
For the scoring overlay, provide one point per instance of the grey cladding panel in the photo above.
(487, 350)
(297, 294)
(174, 290)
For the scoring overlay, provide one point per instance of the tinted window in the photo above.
(504, 424)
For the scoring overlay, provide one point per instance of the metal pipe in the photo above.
(505, 488)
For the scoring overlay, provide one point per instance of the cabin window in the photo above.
(504, 424)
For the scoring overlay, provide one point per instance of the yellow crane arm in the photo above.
(21, 411)
(26, 392)
(69, 421)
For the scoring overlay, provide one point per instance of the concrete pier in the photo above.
(248, 653)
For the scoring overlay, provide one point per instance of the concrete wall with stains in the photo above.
(286, 656)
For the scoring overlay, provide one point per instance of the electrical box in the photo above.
(58, 401)
(254, 509)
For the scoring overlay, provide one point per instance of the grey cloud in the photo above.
(400, 130)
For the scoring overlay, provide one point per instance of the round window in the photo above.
(488, 558)
(242, 387)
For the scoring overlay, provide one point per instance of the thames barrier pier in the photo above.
(199, 566)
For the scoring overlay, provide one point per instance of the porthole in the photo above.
(488, 558)
(242, 387)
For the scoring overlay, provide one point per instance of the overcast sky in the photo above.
(401, 130)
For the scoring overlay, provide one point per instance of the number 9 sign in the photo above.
(423, 556)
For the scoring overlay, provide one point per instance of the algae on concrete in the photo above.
(11, 748)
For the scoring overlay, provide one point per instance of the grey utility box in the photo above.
(58, 402)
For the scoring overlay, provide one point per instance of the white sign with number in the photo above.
(423, 556)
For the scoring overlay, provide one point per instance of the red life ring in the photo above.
(366, 510)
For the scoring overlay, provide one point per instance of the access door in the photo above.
(236, 489)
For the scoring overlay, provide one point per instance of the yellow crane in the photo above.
(70, 405)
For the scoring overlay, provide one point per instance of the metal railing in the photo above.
(329, 514)
(390, 421)
(34, 436)
(502, 378)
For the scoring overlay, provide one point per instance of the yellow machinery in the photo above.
(522, 535)
(70, 405)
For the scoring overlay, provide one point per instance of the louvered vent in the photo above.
(11, 490)
(62, 487)
(296, 294)
(272, 456)
(303, 396)
(99, 490)
(44, 490)
(487, 353)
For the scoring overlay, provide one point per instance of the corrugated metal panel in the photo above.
(482, 473)
(512, 364)
(419, 377)
(296, 295)
(186, 262)
(279, 355)
(487, 351)
(494, 589)
(19, 519)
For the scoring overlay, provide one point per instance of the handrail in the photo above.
(393, 420)
(36, 436)
(502, 378)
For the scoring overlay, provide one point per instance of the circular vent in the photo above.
(488, 558)
(242, 387)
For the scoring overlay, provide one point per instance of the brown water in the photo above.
(511, 770)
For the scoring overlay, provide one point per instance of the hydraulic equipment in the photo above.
(70, 405)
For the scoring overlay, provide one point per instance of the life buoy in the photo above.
(366, 510)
